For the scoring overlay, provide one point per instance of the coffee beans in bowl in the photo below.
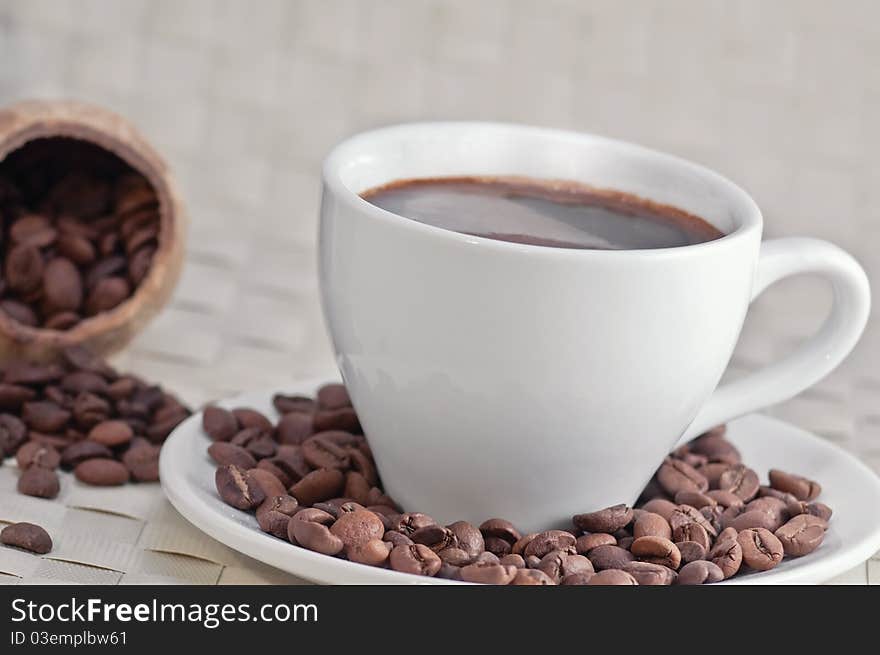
(93, 230)
(703, 518)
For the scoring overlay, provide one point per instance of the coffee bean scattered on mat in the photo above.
(27, 536)
(312, 481)
(82, 415)
(80, 229)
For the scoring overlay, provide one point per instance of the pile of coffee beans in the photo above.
(83, 416)
(79, 231)
(704, 517)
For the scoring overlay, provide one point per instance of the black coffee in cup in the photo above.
(553, 213)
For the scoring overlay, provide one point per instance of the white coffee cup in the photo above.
(532, 383)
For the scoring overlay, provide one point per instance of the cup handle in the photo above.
(814, 359)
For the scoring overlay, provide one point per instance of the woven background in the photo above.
(245, 98)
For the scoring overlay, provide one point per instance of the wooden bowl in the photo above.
(106, 332)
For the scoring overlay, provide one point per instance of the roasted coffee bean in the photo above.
(436, 537)
(820, 510)
(107, 293)
(605, 520)
(24, 268)
(713, 472)
(609, 557)
(754, 519)
(33, 229)
(650, 524)
(21, 372)
(376, 497)
(373, 553)
(363, 465)
(513, 559)
(544, 542)
(83, 450)
(713, 515)
(775, 507)
(675, 475)
(684, 514)
(219, 423)
(357, 528)
(691, 551)
(660, 506)
(396, 538)
(449, 572)
(761, 550)
(62, 285)
(251, 418)
(531, 577)
(44, 416)
(321, 452)
(279, 469)
(27, 536)
(318, 485)
(292, 456)
(802, 535)
(333, 396)
(692, 532)
(142, 462)
(39, 482)
(78, 381)
(609, 577)
(695, 499)
(111, 433)
(657, 550)
(274, 513)
(725, 499)
(90, 409)
(577, 579)
(587, 542)
(294, 428)
(288, 404)
(344, 419)
(246, 437)
(313, 535)
(268, 482)
(262, 447)
(102, 472)
(726, 554)
(650, 574)
(488, 573)
(798, 486)
(13, 395)
(235, 485)
(699, 572)
(76, 248)
(410, 522)
(497, 546)
(124, 387)
(357, 487)
(741, 481)
(33, 453)
(468, 538)
(713, 445)
(500, 529)
(417, 559)
(558, 564)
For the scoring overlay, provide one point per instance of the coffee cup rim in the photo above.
(346, 151)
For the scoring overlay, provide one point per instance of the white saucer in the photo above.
(849, 487)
